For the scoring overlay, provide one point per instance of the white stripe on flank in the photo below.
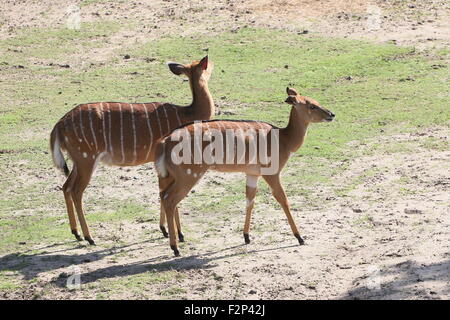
(92, 127)
(238, 125)
(149, 130)
(121, 133)
(159, 123)
(259, 129)
(218, 125)
(109, 128)
(167, 118)
(230, 125)
(263, 127)
(103, 126)
(178, 117)
(134, 133)
(82, 130)
(110, 133)
(223, 129)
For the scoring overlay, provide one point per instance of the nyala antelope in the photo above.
(177, 179)
(121, 134)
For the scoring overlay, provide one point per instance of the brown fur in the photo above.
(180, 178)
(122, 134)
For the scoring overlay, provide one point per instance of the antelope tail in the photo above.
(160, 163)
(55, 147)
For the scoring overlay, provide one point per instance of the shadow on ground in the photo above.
(31, 265)
(435, 279)
(199, 261)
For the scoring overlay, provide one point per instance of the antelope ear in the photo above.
(176, 68)
(290, 100)
(292, 91)
(204, 63)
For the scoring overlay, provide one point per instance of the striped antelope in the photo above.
(122, 134)
(177, 179)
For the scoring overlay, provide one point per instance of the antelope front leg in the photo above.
(250, 193)
(162, 222)
(177, 221)
(172, 234)
(280, 196)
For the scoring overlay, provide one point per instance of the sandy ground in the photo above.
(387, 239)
(376, 242)
(414, 22)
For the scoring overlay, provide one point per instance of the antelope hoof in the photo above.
(300, 240)
(164, 232)
(180, 237)
(77, 236)
(175, 251)
(246, 238)
(91, 242)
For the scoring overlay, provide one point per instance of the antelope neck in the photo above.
(202, 101)
(294, 133)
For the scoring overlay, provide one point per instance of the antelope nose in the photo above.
(331, 116)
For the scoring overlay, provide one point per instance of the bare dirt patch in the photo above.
(419, 23)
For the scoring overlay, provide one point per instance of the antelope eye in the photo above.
(312, 107)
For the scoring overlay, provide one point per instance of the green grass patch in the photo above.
(173, 292)
(59, 43)
(136, 284)
(9, 281)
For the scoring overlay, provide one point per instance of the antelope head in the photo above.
(195, 70)
(309, 109)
